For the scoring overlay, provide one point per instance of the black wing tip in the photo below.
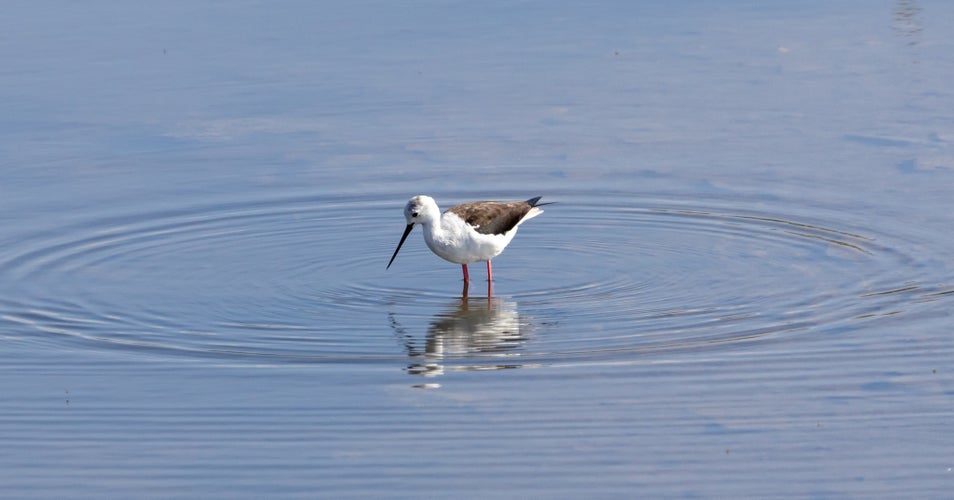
(534, 202)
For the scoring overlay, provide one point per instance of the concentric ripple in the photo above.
(604, 278)
(642, 277)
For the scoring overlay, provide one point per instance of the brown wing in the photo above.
(493, 217)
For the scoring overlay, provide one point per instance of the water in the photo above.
(743, 288)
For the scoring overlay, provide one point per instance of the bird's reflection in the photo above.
(469, 328)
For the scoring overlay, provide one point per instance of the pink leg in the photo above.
(490, 274)
(466, 274)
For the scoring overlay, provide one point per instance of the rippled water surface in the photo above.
(743, 287)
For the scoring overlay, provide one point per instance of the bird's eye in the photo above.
(413, 214)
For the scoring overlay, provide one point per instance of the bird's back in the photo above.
(495, 217)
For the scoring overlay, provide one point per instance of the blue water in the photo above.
(743, 288)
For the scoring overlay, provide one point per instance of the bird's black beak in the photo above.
(407, 231)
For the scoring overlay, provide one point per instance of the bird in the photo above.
(470, 232)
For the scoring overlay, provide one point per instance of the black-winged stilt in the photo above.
(470, 232)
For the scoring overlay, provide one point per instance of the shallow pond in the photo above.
(743, 287)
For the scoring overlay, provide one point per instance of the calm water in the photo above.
(744, 287)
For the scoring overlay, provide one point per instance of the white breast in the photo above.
(453, 240)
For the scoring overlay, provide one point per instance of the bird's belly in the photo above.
(469, 249)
